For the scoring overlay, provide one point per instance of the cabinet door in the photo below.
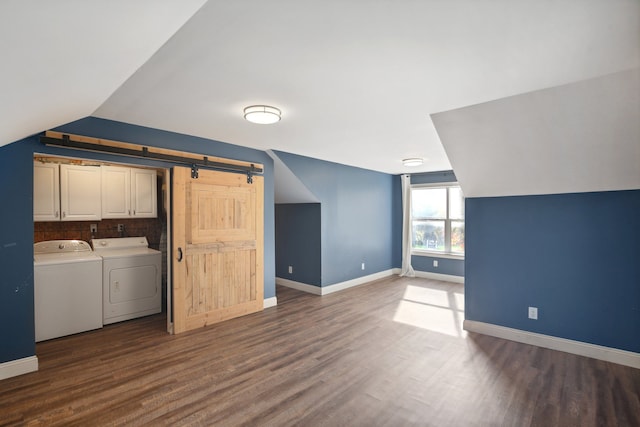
(46, 192)
(116, 192)
(144, 196)
(80, 198)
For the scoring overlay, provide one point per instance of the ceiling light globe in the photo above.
(262, 114)
(412, 162)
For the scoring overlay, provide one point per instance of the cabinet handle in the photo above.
(64, 214)
(134, 212)
(129, 212)
(179, 254)
(57, 213)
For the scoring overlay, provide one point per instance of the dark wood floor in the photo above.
(390, 353)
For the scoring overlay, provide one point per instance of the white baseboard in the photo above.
(439, 276)
(355, 282)
(608, 354)
(13, 368)
(311, 289)
(270, 302)
(324, 290)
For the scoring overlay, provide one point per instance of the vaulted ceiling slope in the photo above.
(287, 186)
(357, 81)
(62, 59)
(578, 137)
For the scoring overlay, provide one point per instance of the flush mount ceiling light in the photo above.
(262, 114)
(413, 161)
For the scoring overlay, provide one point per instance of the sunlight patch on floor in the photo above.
(433, 309)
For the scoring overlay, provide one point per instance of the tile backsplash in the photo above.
(151, 228)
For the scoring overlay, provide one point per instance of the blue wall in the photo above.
(574, 256)
(17, 335)
(17, 338)
(449, 266)
(441, 177)
(298, 242)
(357, 216)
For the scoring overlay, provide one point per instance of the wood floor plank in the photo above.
(389, 353)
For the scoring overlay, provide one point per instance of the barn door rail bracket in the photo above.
(250, 174)
(148, 153)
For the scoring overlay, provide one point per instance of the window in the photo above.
(437, 218)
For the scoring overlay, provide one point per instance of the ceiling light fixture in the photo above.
(413, 161)
(262, 114)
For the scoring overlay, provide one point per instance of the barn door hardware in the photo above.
(172, 156)
(250, 174)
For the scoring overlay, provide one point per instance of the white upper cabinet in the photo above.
(144, 194)
(80, 193)
(128, 192)
(116, 192)
(46, 192)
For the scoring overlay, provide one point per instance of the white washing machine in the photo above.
(131, 278)
(67, 288)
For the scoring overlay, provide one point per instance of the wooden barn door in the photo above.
(217, 247)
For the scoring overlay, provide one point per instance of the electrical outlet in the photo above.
(533, 313)
(435, 263)
(120, 227)
(290, 269)
(363, 265)
(93, 228)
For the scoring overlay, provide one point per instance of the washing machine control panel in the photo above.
(59, 246)
(120, 243)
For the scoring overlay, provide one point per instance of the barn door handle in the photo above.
(179, 254)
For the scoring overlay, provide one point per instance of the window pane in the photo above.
(457, 236)
(429, 203)
(456, 203)
(428, 235)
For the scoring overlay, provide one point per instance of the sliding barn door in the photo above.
(217, 247)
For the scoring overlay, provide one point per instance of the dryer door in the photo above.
(132, 288)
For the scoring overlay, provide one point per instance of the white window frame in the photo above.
(447, 225)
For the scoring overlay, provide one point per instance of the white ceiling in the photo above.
(578, 137)
(62, 59)
(356, 81)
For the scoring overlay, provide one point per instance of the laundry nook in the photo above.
(94, 264)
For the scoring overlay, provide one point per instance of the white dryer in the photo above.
(67, 288)
(131, 278)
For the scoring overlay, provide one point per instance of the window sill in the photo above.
(437, 254)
